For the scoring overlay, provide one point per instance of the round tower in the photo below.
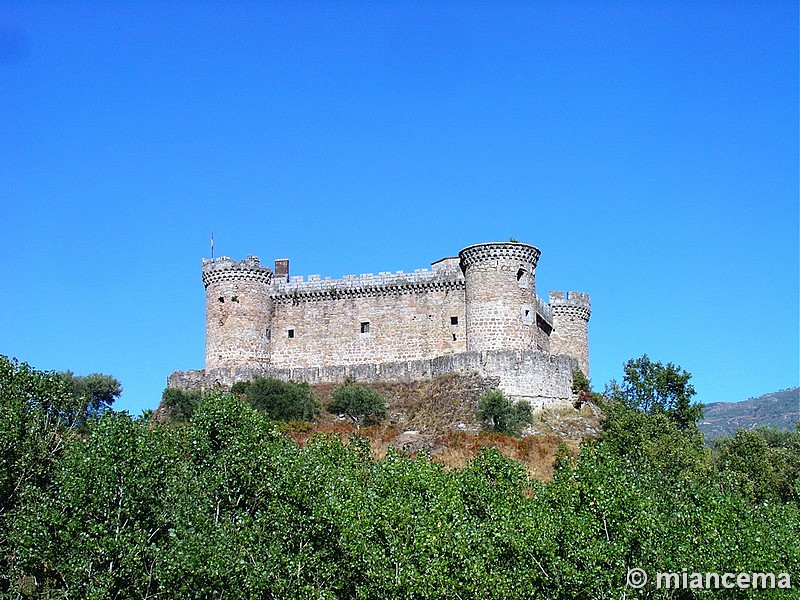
(500, 295)
(238, 312)
(570, 336)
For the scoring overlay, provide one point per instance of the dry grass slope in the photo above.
(438, 417)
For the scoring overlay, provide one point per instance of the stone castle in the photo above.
(477, 312)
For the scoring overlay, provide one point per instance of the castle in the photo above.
(475, 312)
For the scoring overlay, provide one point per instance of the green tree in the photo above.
(580, 383)
(762, 464)
(654, 440)
(181, 404)
(498, 413)
(282, 400)
(653, 387)
(93, 394)
(35, 410)
(240, 388)
(365, 406)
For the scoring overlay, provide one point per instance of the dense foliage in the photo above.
(499, 413)
(363, 405)
(181, 404)
(763, 464)
(580, 383)
(226, 506)
(655, 388)
(280, 400)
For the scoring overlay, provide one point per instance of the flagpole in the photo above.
(212, 247)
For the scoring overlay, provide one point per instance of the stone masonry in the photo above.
(477, 312)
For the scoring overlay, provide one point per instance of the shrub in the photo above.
(497, 413)
(363, 405)
(580, 383)
(240, 388)
(761, 464)
(282, 400)
(181, 404)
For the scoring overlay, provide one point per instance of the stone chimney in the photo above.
(282, 269)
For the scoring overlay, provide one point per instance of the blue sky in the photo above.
(649, 149)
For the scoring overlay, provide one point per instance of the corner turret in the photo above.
(500, 295)
(570, 336)
(238, 312)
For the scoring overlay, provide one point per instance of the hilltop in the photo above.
(438, 417)
(778, 409)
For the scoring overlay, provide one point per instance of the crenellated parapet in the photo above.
(298, 289)
(494, 251)
(227, 269)
(544, 311)
(573, 304)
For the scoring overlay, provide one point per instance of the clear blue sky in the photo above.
(649, 149)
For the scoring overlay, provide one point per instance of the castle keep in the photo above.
(477, 312)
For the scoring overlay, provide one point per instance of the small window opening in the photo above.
(291, 333)
(234, 298)
(365, 327)
(267, 334)
(221, 299)
(522, 279)
(527, 312)
(454, 337)
(454, 321)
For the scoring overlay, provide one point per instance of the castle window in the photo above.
(453, 321)
(454, 337)
(267, 334)
(527, 314)
(291, 334)
(522, 278)
(221, 299)
(234, 298)
(365, 327)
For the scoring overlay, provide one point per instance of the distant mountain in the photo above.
(778, 409)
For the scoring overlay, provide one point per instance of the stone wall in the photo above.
(536, 377)
(368, 319)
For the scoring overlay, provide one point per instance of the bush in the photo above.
(363, 405)
(761, 464)
(181, 404)
(240, 388)
(282, 400)
(497, 413)
(580, 383)
(655, 441)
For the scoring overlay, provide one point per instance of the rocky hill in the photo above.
(778, 409)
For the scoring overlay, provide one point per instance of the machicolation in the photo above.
(477, 312)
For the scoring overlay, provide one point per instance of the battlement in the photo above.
(544, 311)
(490, 251)
(366, 284)
(226, 269)
(570, 298)
(571, 303)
